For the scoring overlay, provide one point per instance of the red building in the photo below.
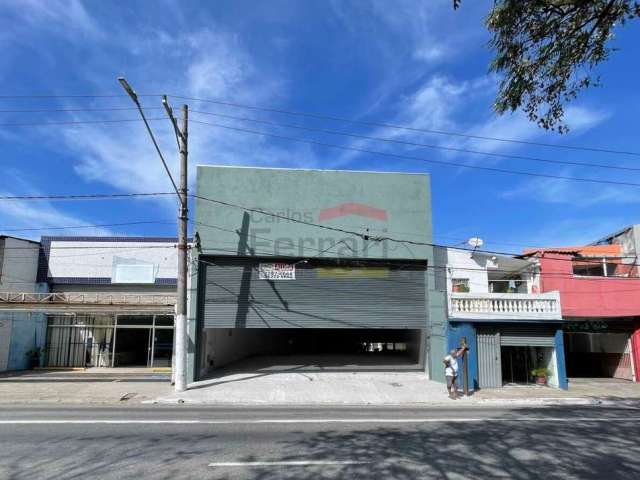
(599, 289)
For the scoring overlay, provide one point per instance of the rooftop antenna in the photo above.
(475, 243)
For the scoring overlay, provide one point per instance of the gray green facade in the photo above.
(310, 215)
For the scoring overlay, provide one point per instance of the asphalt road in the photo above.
(318, 443)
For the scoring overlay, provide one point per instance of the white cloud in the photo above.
(214, 66)
(430, 53)
(437, 104)
(577, 194)
(64, 17)
(567, 232)
(16, 215)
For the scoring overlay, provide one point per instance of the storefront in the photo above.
(511, 353)
(109, 340)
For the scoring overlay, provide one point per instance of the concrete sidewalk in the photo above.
(83, 386)
(306, 388)
(384, 388)
(290, 387)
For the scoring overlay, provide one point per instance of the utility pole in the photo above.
(181, 304)
(465, 366)
(180, 332)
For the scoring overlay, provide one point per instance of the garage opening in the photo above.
(311, 314)
(598, 355)
(311, 349)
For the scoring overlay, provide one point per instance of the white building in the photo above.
(494, 303)
(111, 301)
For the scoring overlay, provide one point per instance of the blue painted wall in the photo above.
(455, 332)
(563, 383)
(28, 332)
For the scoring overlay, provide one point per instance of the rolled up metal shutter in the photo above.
(321, 296)
(527, 336)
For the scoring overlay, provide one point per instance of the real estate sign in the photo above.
(277, 271)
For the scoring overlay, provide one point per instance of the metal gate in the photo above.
(322, 295)
(527, 337)
(489, 360)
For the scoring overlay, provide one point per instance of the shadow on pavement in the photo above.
(576, 447)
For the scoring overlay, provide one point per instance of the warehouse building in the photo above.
(297, 267)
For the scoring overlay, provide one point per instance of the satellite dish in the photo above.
(475, 242)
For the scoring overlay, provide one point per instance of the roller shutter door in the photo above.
(321, 296)
(523, 336)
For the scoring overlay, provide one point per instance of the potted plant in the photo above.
(541, 375)
(460, 288)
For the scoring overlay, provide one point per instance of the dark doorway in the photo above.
(515, 364)
(598, 355)
(132, 347)
(162, 347)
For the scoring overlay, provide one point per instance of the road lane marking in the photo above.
(295, 463)
(315, 421)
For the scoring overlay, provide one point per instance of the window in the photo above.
(138, 320)
(460, 285)
(507, 285)
(597, 267)
(126, 270)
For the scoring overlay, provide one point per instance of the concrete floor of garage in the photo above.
(375, 362)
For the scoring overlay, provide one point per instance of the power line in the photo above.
(218, 227)
(108, 95)
(419, 159)
(107, 248)
(293, 126)
(74, 122)
(259, 211)
(150, 222)
(398, 264)
(412, 129)
(125, 195)
(340, 119)
(93, 196)
(364, 236)
(416, 144)
(82, 247)
(63, 110)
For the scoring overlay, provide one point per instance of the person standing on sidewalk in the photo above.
(451, 370)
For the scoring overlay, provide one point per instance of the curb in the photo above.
(59, 369)
(447, 403)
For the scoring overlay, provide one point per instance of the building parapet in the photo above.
(61, 301)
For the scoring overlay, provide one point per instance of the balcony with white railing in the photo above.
(505, 306)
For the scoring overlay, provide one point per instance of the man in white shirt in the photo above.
(451, 370)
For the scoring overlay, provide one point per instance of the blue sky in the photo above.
(413, 63)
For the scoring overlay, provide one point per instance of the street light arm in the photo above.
(169, 111)
(127, 88)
